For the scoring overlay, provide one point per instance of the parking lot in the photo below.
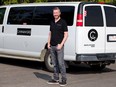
(21, 73)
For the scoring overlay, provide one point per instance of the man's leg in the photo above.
(60, 54)
(55, 79)
(55, 62)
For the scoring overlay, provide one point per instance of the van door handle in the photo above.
(2, 29)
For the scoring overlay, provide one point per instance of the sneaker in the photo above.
(63, 83)
(53, 81)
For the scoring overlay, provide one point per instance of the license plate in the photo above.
(111, 38)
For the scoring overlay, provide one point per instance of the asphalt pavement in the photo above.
(23, 73)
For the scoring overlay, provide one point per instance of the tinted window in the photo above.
(2, 12)
(110, 16)
(93, 16)
(41, 15)
(44, 14)
(20, 15)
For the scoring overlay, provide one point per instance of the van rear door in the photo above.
(91, 34)
(110, 15)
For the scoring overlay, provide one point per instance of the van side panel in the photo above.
(29, 36)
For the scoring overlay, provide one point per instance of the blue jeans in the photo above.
(58, 62)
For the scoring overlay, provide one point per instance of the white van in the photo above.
(24, 32)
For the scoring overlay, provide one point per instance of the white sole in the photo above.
(63, 85)
(52, 83)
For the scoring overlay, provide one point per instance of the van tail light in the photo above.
(79, 20)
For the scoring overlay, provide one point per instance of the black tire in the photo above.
(48, 61)
(97, 67)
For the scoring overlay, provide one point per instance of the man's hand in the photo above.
(59, 46)
(48, 46)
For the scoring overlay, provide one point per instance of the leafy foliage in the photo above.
(21, 1)
(31, 1)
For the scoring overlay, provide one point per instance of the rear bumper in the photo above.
(95, 57)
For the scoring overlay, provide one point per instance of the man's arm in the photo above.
(65, 38)
(49, 38)
(63, 41)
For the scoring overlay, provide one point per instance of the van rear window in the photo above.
(93, 16)
(40, 15)
(110, 16)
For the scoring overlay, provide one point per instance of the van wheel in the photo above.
(98, 67)
(48, 61)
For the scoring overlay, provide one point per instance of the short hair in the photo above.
(56, 8)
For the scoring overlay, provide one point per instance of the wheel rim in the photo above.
(50, 61)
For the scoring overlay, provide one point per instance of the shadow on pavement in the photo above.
(84, 69)
(78, 69)
(22, 63)
(42, 76)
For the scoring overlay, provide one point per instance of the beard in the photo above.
(56, 17)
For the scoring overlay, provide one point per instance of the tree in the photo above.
(31, 1)
(41, 0)
(21, 1)
(114, 2)
(0, 2)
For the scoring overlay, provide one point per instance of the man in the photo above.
(57, 37)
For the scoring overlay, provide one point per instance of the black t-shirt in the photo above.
(57, 31)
